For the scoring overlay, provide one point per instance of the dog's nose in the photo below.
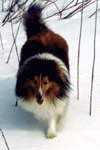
(39, 97)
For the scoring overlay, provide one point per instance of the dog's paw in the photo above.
(51, 134)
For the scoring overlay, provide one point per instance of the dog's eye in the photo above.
(46, 82)
(32, 89)
(35, 82)
(48, 91)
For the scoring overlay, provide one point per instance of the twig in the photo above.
(1, 41)
(94, 13)
(10, 15)
(2, 5)
(63, 4)
(47, 3)
(7, 16)
(78, 9)
(14, 42)
(4, 139)
(51, 2)
(60, 11)
(92, 78)
(78, 61)
(19, 14)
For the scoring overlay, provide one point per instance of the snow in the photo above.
(21, 129)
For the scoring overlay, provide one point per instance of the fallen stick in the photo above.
(4, 139)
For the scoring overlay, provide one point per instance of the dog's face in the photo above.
(41, 87)
(41, 80)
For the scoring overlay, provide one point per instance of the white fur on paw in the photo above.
(51, 135)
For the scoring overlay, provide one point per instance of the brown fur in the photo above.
(47, 38)
(49, 89)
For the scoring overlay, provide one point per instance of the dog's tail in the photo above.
(32, 20)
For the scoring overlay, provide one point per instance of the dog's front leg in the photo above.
(51, 133)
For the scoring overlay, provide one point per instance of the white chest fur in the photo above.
(46, 111)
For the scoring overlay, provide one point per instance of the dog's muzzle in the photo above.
(39, 99)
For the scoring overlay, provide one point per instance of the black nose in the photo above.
(39, 97)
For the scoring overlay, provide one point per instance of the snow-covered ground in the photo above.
(81, 132)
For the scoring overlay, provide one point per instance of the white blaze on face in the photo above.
(40, 88)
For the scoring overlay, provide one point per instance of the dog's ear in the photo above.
(20, 89)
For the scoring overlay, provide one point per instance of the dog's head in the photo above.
(42, 80)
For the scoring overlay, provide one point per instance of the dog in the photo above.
(43, 78)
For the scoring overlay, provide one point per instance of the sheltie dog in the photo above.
(43, 81)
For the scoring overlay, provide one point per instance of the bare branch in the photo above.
(79, 45)
(14, 42)
(18, 13)
(78, 9)
(92, 78)
(94, 13)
